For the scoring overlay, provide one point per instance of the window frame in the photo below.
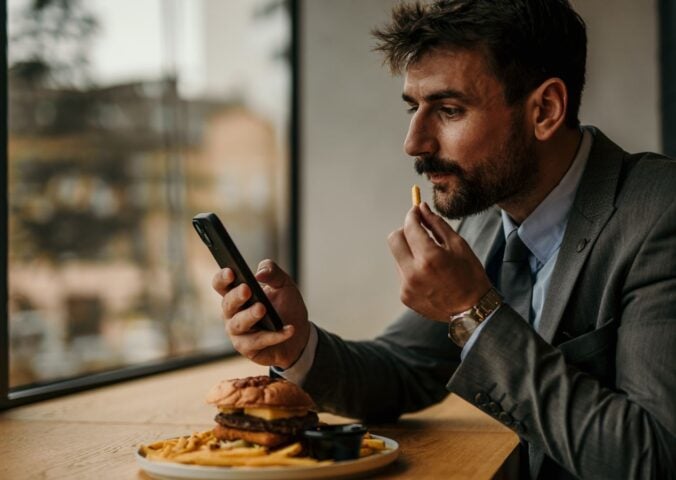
(45, 390)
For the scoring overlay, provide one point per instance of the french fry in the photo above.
(365, 451)
(166, 450)
(373, 443)
(207, 457)
(242, 452)
(179, 447)
(193, 443)
(415, 195)
(157, 445)
(290, 451)
(269, 461)
(202, 457)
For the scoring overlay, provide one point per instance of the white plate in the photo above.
(176, 471)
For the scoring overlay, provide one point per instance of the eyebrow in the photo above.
(441, 95)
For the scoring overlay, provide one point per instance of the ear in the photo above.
(548, 108)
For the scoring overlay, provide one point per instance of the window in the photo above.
(125, 119)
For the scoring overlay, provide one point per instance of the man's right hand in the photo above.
(281, 348)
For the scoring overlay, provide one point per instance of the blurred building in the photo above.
(104, 267)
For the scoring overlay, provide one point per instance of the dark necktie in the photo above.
(516, 283)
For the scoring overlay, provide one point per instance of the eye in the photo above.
(451, 111)
(412, 109)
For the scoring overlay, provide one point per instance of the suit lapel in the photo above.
(593, 206)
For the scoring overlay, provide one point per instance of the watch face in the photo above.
(461, 328)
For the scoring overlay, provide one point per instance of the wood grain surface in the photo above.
(93, 435)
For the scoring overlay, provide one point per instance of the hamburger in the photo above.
(262, 410)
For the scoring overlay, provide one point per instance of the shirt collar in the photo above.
(542, 231)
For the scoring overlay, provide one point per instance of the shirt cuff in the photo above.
(297, 372)
(475, 334)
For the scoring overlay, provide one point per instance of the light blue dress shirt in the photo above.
(542, 232)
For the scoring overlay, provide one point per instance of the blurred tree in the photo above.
(50, 41)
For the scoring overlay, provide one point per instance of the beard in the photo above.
(510, 173)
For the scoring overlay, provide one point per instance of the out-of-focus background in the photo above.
(126, 118)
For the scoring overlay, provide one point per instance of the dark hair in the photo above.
(526, 41)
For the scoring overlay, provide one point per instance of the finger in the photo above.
(243, 321)
(271, 274)
(234, 300)
(400, 249)
(250, 345)
(222, 280)
(417, 237)
(441, 230)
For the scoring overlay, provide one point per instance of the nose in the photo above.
(420, 139)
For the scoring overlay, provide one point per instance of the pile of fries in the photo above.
(205, 449)
(370, 445)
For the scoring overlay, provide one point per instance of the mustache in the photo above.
(435, 164)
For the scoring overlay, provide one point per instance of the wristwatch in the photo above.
(461, 325)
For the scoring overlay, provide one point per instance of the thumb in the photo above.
(271, 274)
(437, 225)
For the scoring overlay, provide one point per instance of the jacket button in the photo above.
(581, 244)
(494, 408)
(506, 418)
(481, 398)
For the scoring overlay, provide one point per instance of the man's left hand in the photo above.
(440, 275)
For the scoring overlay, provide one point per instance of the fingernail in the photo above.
(287, 328)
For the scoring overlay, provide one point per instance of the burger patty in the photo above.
(285, 426)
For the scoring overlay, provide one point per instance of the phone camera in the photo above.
(203, 234)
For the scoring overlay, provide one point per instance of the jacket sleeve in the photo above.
(625, 430)
(403, 370)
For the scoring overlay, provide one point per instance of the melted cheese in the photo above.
(267, 413)
(229, 410)
(274, 413)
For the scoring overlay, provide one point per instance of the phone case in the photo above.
(223, 248)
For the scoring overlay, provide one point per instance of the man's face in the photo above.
(472, 146)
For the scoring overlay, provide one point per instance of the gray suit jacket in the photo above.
(594, 391)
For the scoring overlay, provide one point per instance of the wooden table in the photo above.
(93, 435)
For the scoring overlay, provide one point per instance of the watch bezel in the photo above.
(454, 323)
(486, 305)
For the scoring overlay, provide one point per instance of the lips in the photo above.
(438, 177)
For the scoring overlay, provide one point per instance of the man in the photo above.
(558, 288)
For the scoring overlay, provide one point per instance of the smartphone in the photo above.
(216, 238)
